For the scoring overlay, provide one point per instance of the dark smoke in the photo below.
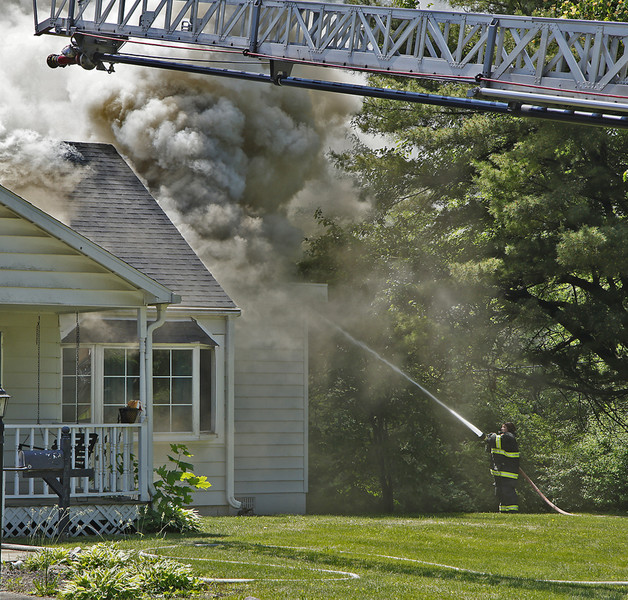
(240, 167)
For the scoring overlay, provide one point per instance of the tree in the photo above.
(493, 267)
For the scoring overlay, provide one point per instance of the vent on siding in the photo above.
(248, 505)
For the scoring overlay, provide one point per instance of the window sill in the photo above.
(163, 436)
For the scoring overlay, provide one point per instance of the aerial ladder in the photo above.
(559, 69)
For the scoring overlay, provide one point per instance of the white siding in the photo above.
(19, 367)
(39, 269)
(271, 415)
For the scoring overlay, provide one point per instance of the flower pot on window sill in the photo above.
(127, 414)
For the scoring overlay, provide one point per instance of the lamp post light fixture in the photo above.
(4, 398)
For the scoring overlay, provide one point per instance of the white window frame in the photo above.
(97, 395)
(72, 347)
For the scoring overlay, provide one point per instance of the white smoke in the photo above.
(239, 166)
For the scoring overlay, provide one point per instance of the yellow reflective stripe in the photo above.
(498, 449)
(505, 453)
(504, 474)
(508, 508)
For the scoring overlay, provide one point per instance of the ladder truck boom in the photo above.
(560, 69)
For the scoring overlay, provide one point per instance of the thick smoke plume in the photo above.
(240, 167)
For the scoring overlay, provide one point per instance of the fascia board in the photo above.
(156, 292)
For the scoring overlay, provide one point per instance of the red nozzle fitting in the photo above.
(59, 60)
(70, 55)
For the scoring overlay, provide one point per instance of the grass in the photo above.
(313, 557)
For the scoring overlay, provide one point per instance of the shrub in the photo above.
(103, 583)
(101, 555)
(161, 576)
(45, 558)
(103, 572)
(174, 492)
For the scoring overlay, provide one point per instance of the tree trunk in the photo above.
(381, 447)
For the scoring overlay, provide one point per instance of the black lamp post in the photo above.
(4, 399)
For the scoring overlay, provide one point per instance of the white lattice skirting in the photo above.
(41, 521)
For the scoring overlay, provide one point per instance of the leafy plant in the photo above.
(101, 555)
(170, 518)
(134, 466)
(45, 558)
(45, 562)
(48, 585)
(104, 572)
(163, 576)
(103, 583)
(174, 493)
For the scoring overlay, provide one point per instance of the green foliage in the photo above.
(103, 583)
(178, 482)
(588, 472)
(170, 518)
(163, 576)
(105, 572)
(592, 10)
(45, 558)
(44, 561)
(174, 492)
(101, 555)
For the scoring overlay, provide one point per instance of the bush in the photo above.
(101, 555)
(161, 576)
(169, 518)
(174, 492)
(103, 572)
(103, 583)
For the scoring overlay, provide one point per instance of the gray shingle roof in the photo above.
(112, 208)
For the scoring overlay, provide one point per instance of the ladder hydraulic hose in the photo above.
(564, 115)
(561, 69)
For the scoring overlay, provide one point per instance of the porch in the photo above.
(105, 503)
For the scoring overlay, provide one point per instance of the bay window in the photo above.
(109, 378)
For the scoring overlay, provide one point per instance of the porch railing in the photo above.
(113, 451)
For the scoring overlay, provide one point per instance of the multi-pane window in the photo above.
(77, 385)
(109, 378)
(121, 380)
(172, 390)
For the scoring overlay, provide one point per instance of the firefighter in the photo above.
(504, 451)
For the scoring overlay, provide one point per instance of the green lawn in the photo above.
(318, 557)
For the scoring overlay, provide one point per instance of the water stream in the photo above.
(362, 345)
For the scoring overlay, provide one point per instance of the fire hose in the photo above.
(543, 497)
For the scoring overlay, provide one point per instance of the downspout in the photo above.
(145, 473)
(148, 369)
(230, 416)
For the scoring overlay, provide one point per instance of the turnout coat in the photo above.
(504, 451)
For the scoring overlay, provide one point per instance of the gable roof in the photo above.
(45, 262)
(111, 207)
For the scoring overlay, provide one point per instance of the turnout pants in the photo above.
(506, 492)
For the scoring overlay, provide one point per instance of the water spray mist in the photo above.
(362, 345)
(471, 426)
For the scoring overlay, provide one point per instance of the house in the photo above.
(112, 307)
